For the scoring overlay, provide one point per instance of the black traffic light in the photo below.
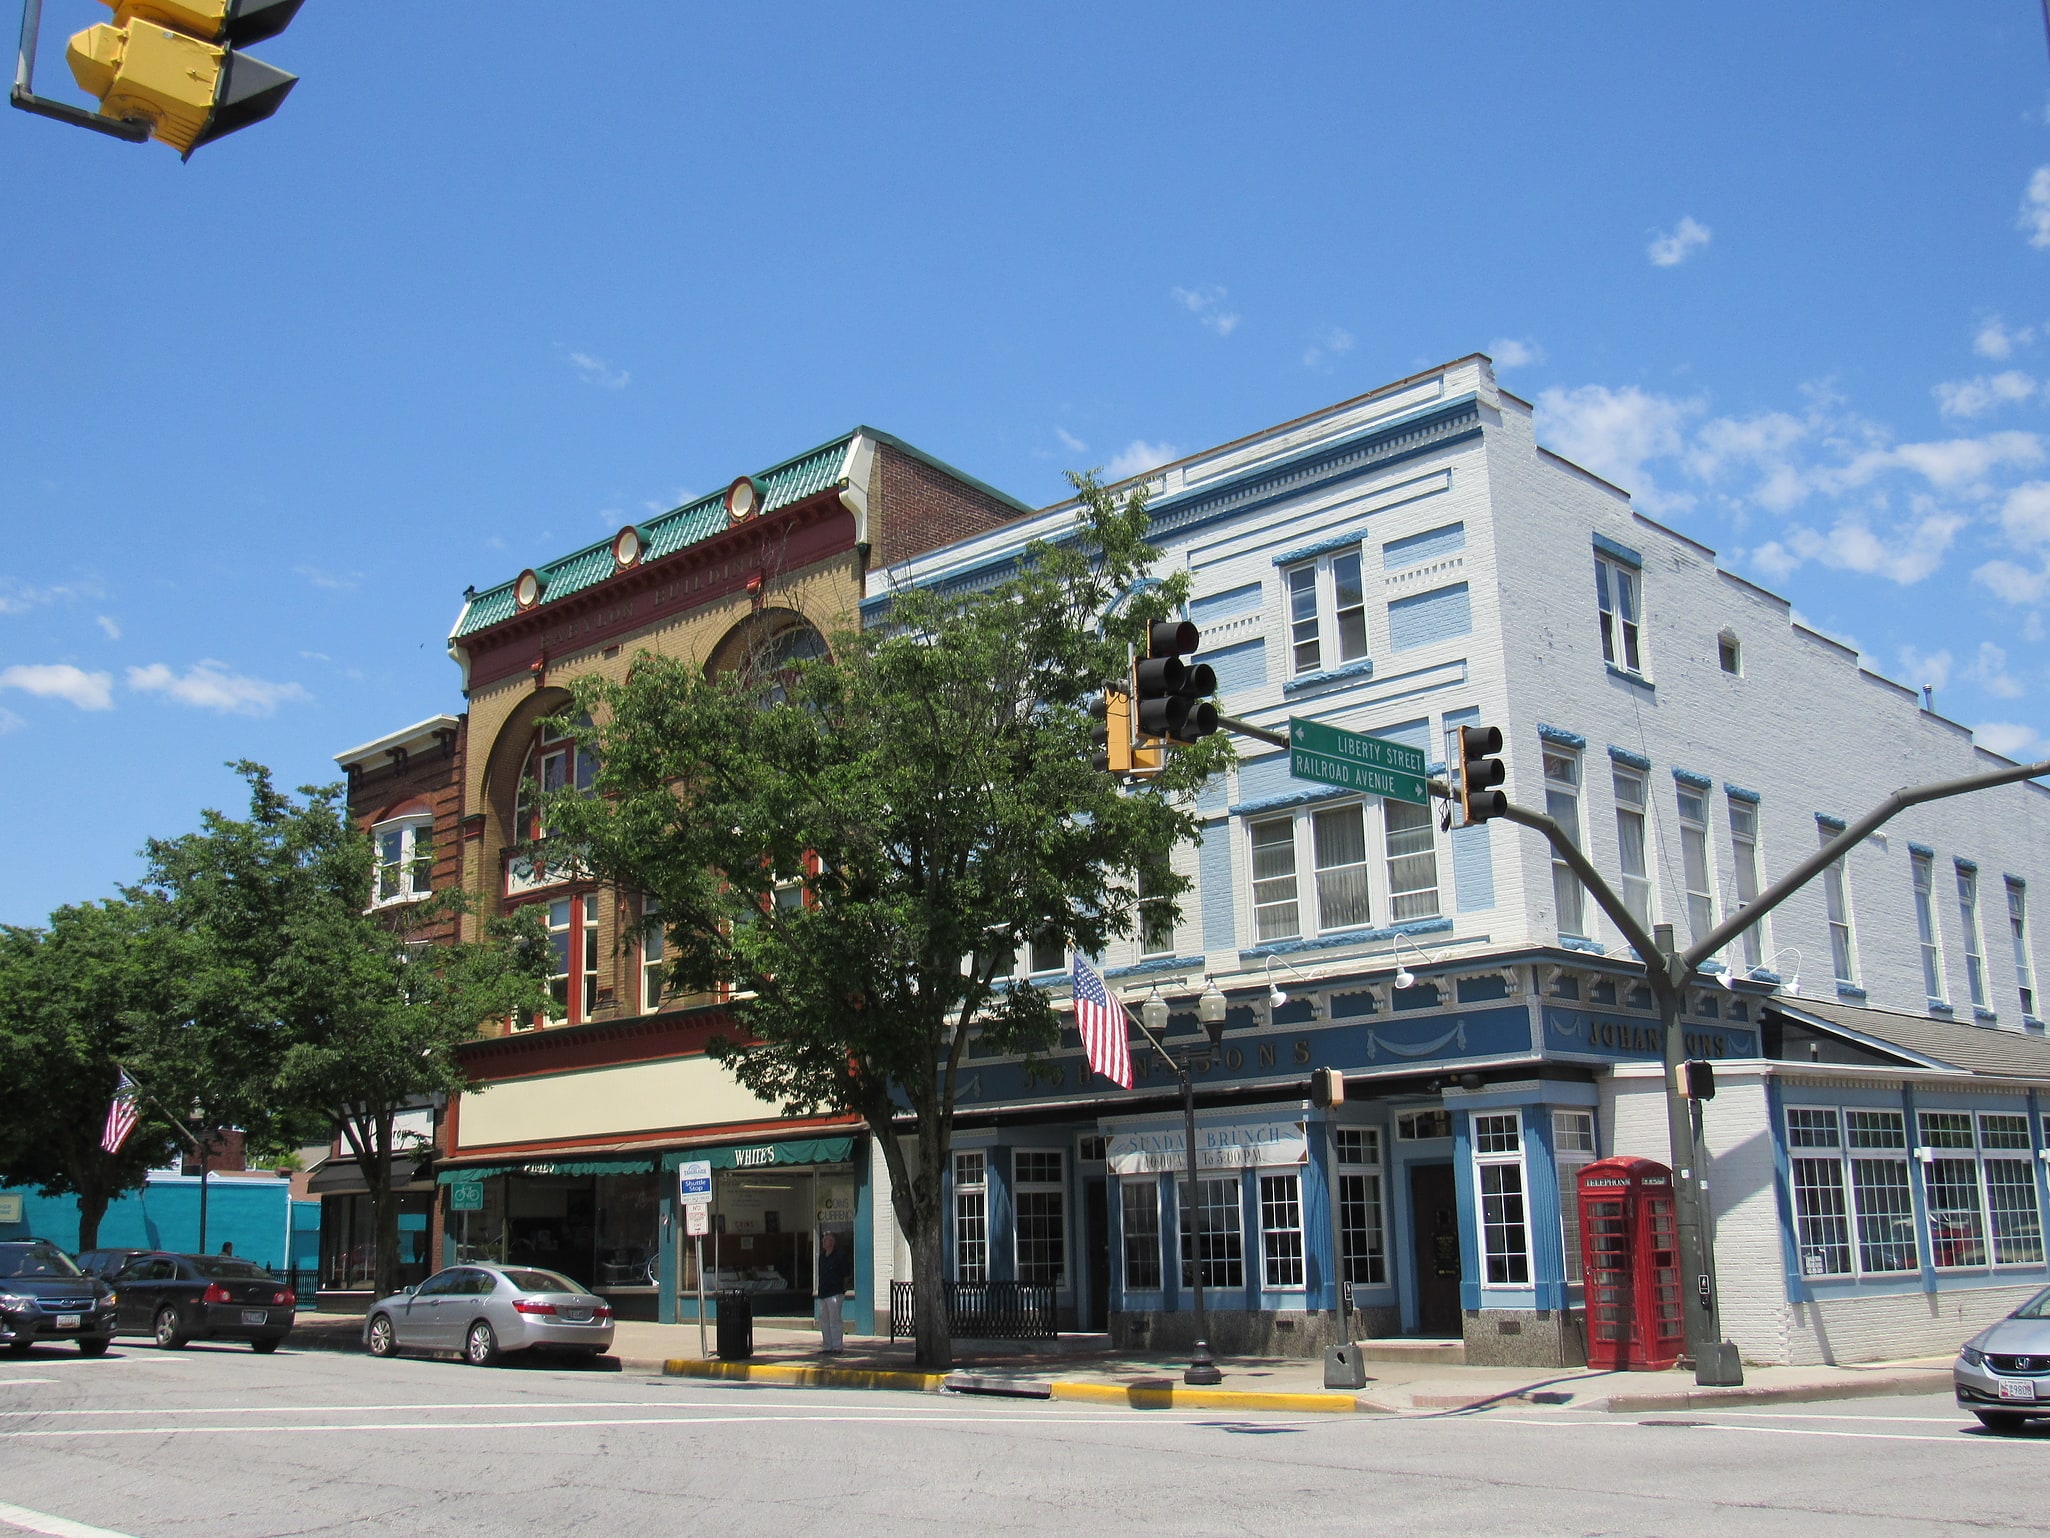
(1479, 773)
(1112, 737)
(1172, 697)
(177, 65)
(1695, 1079)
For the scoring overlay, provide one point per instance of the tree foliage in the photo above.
(856, 847)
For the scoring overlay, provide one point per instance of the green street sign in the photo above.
(468, 1196)
(1335, 756)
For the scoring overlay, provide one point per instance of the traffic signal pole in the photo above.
(24, 95)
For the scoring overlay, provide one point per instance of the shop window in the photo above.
(1040, 1201)
(1881, 1198)
(1498, 1153)
(1422, 1126)
(1821, 1213)
(1573, 1149)
(1214, 1234)
(1281, 1230)
(1562, 805)
(1140, 1207)
(971, 1217)
(1361, 1231)
(405, 858)
(1853, 1208)
(1980, 1188)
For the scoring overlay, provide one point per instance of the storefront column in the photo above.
(1320, 1224)
(1543, 1208)
(1467, 1201)
(862, 1320)
(668, 1274)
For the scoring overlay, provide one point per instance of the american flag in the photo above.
(122, 1115)
(1103, 1024)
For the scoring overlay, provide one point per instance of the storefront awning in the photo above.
(810, 1150)
(643, 1165)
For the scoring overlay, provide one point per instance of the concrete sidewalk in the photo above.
(1402, 1379)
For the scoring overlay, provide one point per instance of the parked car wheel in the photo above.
(2001, 1420)
(169, 1331)
(95, 1347)
(480, 1346)
(266, 1345)
(384, 1340)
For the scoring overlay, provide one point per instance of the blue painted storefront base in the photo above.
(255, 1214)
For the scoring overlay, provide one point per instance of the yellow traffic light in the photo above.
(176, 65)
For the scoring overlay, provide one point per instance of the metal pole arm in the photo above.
(1835, 850)
(24, 95)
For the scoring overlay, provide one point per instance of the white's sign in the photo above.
(1238, 1145)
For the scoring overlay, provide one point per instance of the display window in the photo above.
(766, 1224)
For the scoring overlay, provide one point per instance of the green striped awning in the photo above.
(642, 1165)
(810, 1150)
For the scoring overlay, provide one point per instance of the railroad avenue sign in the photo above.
(1334, 756)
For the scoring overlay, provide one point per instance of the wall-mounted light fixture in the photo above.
(1277, 996)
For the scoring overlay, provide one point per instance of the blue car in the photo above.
(44, 1297)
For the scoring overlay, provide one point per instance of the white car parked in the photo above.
(486, 1311)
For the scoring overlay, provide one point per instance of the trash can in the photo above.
(736, 1327)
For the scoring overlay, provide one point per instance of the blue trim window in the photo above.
(1630, 842)
(1041, 1231)
(2018, 928)
(1619, 592)
(1573, 1149)
(971, 1216)
(1744, 871)
(1821, 1215)
(1326, 598)
(1836, 904)
(1694, 862)
(1140, 1209)
(1505, 1229)
(1281, 1229)
(1217, 1234)
(1922, 865)
(1562, 805)
(1361, 1228)
(1980, 1184)
(1968, 921)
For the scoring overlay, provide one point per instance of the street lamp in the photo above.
(1210, 1011)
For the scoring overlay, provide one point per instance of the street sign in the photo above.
(466, 1196)
(697, 1218)
(694, 1180)
(1335, 756)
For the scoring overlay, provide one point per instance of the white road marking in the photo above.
(417, 1407)
(1123, 1418)
(1756, 1431)
(27, 1380)
(55, 1527)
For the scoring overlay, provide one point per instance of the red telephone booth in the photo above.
(1630, 1254)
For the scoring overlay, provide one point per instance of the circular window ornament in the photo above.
(627, 547)
(744, 499)
(527, 590)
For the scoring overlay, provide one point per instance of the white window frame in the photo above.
(1744, 870)
(1697, 860)
(1975, 939)
(1632, 788)
(1496, 1164)
(1361, 1187)
(580, 956)
(1156, 933)
(1281, 907)
(654, 961)
(1980, 1147)
(971, 1215)
(1058, 1189)
(1147, 1190)
(1575, 1145)
(1425, 901)
(1315, 612)
(1230, 1266)
(2017, 891)
(1838, 914)
(1562, 767)
(1619, 601)
(1928, 933)
(1284, 1267)
(409, 882)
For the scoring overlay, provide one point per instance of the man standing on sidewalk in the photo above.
(836, 1270)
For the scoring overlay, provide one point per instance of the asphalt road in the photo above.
(226, 1444)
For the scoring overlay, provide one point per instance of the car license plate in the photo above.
(577, 1315)
(2017, 1388)
(67, 1321)
(254, 1316)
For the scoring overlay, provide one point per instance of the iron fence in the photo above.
(983, 1310)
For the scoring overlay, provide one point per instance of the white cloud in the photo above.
(107, 623)
(2025, 513)
(1616, 432)
(9, 721)
(1926, 669)
(1976, 396)
(1070, 442)
(1680, 242)
(2010, 739)
(1138, 456)
(1851, 545)
(2016, 584)
(597, 371)
(1207, 305)
(18, 597)
(1334, 343)
(1993, 339)
(1513, 352)
(1989, 669)
(2034, 219)
(208, 685)
(61, 681)
(333, 581)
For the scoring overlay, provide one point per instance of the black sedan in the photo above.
(43, 1296)
(106, 1264)
(180, 1298)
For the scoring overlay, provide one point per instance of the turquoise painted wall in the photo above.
(258, 1216)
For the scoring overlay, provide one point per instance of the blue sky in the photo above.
(493, 285)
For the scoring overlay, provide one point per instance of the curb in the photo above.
(813, 1377)
(1147, 1397)
(1896, 1384)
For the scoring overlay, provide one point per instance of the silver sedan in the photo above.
(486, 1311)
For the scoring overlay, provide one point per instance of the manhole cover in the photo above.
(1686, 1424)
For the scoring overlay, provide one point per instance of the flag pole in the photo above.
(199, 1150)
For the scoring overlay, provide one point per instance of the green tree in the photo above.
(77, 999)
(858, 846)
(312, 1012)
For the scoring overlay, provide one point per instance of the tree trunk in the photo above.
(934, 1332)
(92, 1206)
(384, 1207)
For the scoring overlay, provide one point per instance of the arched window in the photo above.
(404, 843)
(553, 762)
(764, 649)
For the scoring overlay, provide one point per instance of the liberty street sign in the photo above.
(1335, 756)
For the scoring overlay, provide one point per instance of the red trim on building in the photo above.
(599, 1044)
(660, 1140)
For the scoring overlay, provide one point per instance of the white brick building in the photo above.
(1409, 562)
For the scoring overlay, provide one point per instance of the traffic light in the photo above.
(1112, 712)
(177, 65)
(1479, 773)
(1694, 1079)
(1173, 697)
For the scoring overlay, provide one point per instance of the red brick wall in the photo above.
(433, 775)
(924, 508)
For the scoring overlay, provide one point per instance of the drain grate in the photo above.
(1688, 1425)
